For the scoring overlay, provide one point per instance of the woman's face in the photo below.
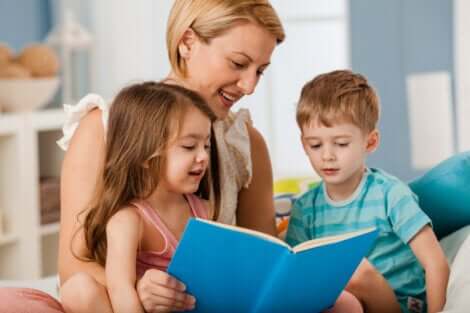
(229, 66)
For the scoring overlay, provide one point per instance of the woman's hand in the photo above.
(160, 292)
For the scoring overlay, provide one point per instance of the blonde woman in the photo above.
(219, 49)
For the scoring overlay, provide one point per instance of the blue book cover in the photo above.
(232, 269)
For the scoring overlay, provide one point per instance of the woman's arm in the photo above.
(429, 253)
(255, 203)
(82, 163)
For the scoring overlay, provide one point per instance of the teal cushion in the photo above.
(444, 194)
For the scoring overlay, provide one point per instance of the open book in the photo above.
(233, 269)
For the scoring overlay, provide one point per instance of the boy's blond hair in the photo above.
(339, 96)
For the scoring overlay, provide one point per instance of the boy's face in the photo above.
(338, 153)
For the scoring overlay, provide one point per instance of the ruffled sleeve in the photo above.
(74, 113)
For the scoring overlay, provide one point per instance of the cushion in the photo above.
(444, 194)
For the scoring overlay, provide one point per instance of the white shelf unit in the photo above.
(28, 150)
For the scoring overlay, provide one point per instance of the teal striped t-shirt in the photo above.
(380, 201)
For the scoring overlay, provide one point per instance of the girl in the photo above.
(154, 179)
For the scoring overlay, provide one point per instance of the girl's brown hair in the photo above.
(211, 18)
(143, 119)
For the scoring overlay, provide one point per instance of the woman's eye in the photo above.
(188, 147)
(207, 147)
(238, 65)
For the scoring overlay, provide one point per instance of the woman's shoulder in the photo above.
(91, 111)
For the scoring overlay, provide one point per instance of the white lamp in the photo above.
(71, 39)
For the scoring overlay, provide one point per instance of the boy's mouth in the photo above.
(330, 171)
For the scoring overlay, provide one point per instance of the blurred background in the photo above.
(415, 53)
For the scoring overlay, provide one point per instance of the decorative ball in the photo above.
(6, 54)
(41, 60)
(14, 70)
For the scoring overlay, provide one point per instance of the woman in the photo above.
(219, 49)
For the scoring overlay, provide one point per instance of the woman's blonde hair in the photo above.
(143, 120)
(211, 18)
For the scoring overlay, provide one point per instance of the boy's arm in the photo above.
(123, 237)
(297, 231)
(429, 253)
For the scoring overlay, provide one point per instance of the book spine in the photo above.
(263, 299)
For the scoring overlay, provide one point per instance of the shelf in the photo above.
(49, 229)
(8, 239)
(9, 123)
(51, 119)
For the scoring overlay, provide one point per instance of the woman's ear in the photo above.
(373, 140)
(187, 42)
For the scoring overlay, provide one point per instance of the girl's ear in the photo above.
(373, 139)
(187, 42)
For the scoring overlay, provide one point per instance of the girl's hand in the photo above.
(160, 292)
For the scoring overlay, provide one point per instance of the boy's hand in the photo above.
(160, 292)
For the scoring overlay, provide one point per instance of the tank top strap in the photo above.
(152, 216)
(198, 207)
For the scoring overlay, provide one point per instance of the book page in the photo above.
(330, 239)
(248, 232)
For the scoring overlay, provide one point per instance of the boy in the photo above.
(337, 114)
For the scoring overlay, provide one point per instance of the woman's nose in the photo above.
(248, 81)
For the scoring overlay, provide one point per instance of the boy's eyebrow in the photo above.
(334, 137)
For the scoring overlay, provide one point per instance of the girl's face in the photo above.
(229, 66)
(187, 157)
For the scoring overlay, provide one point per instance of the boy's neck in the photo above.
(344, 190)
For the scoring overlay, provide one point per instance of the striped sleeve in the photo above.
(403, 210)
(297, 231)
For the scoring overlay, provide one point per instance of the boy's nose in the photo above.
(328, 155)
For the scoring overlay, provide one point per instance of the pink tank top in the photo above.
(160, 260)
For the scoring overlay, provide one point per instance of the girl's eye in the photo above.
(260, 72)
(314, 147)
(343, 144)
(188, 147)
(207, 147)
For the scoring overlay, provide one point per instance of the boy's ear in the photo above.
(373, 140)
(186, 43)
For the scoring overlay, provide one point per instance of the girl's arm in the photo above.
(255, 203)
(123, 237)
(82, 163)
(429, 253)
(165, 293)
